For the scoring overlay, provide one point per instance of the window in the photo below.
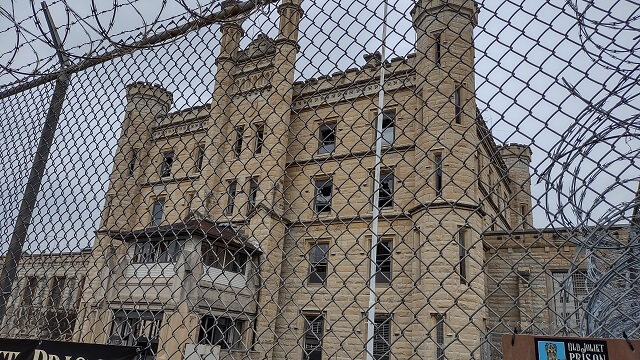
(149, 252)
(259, 138)
(313, 334)
(523, 212)
(157, 212)
(385, 199)
(132, 161)
(253, 194)
(324, 189)
(137, 328)
(30, 291)
(569, 296)
(167, 162)
(438, 45)
(327, 136)
(457, 101)
(318, 263)
(231, 197)
(237, 146)
(382, 337)
(383, 262)
(221, 331)
(388, 126)
(438, 179)
(200, 157)
(57, 288)
(462, 255)
(224, 258)
(439, 338)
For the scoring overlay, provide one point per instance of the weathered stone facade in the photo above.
(453, 189)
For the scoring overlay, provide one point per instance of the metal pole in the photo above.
(371, 313)
(12, 260)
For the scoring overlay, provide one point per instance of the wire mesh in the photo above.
(304, 179)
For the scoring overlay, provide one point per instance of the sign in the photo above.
(530, 347)
(19, 349)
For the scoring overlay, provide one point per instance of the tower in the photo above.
(450, 221)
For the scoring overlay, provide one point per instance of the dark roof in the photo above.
(200, 227)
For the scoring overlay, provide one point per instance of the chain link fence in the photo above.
(319, 180)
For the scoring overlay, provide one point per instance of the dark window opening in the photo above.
(225, 332)
(313, 334)
(253, 194)
(259, 138)
(327, 138)
(462, 254)
(149, 252)
(200, 158)
(388, 127)
(57, 288)
(457, 100)
(157, 212)
(383, 262)
(237, 146)
(319, 263)
(231, 197)
(438, 182)
(382, 338)
(167, 162)
(224, 258)
(385, 198)
(439, 337)
(132, 162)
(137, 328)
(323, 194)
(29, 293)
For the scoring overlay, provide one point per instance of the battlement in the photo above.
(516, 150)
(149, 91)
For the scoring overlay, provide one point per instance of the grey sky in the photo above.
(524, 50)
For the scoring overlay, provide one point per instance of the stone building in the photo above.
(243, 226)
(46, 296)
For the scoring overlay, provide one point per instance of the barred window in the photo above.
(313, 334)
(438, 48)
(327, 138)
(569, 297)
(439, 336)
(318, 263)
(382, 337)
(324, 189)
(383, 262)
(222, 331)
(137, 328)
(167, 163)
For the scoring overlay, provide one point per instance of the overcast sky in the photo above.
(527, 53)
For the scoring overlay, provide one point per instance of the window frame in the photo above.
(440, 336)
(394, 123)
(130, 326)
(259, 139)
(199, 160)
(252, 194)
(227, 333)
(166, 166)
(224, 257)
(383, 321)
(384, 173)
(133, 161)
(322, 145)
(56, 291)
(380, 276)
(237, 144)
(438, 47)
(154, 219)
(438, 160)
(232, 192)
(313, 275)
(161, 251)
(312, 338)
(31, 288)
(457, 103)
(318, 207)
(462, 255)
